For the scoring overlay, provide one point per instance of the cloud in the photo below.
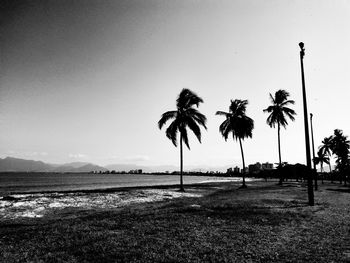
(137, 158)
(128, 159)
(27, 154)
(77, 155)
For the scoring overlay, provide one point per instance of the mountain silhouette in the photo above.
(10, 164)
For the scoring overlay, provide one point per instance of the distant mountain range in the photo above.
(10, 164)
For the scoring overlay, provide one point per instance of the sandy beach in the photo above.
(36, 205)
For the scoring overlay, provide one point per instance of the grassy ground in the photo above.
(263, 223)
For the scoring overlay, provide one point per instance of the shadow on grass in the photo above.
(339, 190)
(252, 213)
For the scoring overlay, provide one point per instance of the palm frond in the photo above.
(195, 128)
(287, 102)
(225, 128)
(273, 118)
(327, 145)
(246, 127)
(236, 122)
(270, 121)
(197, 116)
(269, 109)
(283, 121)
(226, 114)
(184, 136)
(171, 132)
(321, 158)
(165, 117)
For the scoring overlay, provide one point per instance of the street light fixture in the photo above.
(307, 140)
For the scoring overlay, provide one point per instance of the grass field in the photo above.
(263, 223)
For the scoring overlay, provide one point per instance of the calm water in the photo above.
(40, 182)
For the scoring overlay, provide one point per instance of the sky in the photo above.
(85, 80)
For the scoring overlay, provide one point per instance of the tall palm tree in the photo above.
(237, 123)
(341, 148)
(278, 115)
(326, 148)
(184, 116)
(322, 157)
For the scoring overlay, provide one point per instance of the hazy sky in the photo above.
(89, 80)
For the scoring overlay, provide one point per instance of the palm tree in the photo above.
(341, 148)
(237, 123)
(184, 116)
(326, 148)
(322, 157)
(278, 113)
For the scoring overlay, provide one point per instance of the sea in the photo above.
(11, 183)
(36, 195)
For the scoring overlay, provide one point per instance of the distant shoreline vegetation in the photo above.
(208, 173)
(289, 171)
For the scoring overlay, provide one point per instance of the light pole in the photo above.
(313, 151)
(307, 140)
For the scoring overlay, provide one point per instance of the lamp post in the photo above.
(307, 140)
(313, 151)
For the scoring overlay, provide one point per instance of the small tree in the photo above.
(340, 147)
(326, 148)
(320, 159)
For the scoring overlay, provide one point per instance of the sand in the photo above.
(36, 205)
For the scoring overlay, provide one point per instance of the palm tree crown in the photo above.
(185, 116)
(321, 158)
(237, 123)
(326, 146)
(279, 110)
(341, 148)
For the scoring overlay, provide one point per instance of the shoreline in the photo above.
(32, 183)
(42, 204)
(129, 188)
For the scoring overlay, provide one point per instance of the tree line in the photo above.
(238, 125)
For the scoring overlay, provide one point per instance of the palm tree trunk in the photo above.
(330, 169)
(322, 172)
(279, 154)
(345, 179)
(243, 174)
(181, 166)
